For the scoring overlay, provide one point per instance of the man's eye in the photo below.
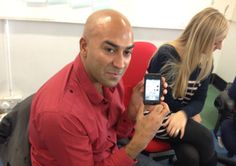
(127, 53)
(110, 50)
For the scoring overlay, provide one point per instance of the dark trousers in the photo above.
(228, 135)
(196, 147)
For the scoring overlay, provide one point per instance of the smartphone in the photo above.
(152, 88)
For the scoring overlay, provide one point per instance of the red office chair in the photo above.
(141, 55)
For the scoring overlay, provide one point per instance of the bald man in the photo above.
(77, 115)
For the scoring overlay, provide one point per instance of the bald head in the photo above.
(106, 47)
(103, 21)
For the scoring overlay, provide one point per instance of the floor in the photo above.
(209, 117)
(209, 113)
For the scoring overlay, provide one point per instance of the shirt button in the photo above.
(71, 91)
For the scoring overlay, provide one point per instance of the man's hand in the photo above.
(164, 86)
(146, 128)
(136, 99)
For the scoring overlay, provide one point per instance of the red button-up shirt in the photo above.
(71, 124)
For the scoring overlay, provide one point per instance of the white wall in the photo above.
(3, 72)
(226, 66)
(40, 49)
(140, 13)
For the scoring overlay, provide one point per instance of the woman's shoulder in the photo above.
(168, 51)
(166, 47)
(165, 53)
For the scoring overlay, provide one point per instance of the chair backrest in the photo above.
(14, 145)
(141, 55)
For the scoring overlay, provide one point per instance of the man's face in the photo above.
(107, 56)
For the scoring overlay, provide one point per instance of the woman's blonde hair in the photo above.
(198, 41)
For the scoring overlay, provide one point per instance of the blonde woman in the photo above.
(187, 63)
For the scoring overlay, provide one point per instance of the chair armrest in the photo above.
(223, 102)
(5, 128)
(226, 160)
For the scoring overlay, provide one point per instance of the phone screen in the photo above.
(152, 89)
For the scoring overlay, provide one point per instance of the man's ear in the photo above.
(83, 47)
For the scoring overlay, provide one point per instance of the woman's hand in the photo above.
(176, 123)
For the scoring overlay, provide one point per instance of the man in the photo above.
(77, 115)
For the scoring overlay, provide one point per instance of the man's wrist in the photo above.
(131, 152)
(132, 149)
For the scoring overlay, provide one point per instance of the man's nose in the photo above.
(119, 60)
